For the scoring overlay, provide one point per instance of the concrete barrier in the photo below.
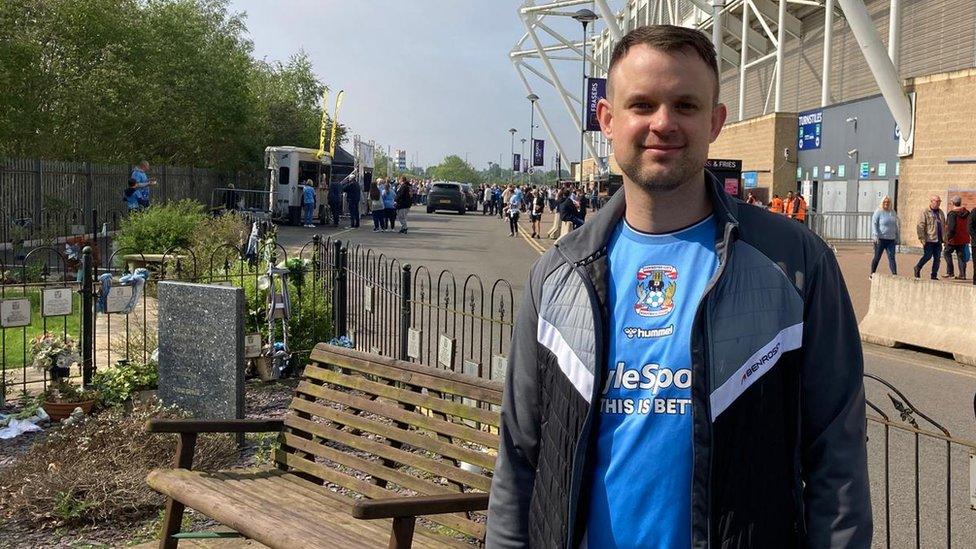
(925, 313)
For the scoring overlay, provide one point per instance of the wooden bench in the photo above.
(370, 444)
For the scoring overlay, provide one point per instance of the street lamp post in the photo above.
(532, 99)
(511, 157)
(585, 17)
(522, 172)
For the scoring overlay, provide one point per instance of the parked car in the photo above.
(470, 198)
(447, 195)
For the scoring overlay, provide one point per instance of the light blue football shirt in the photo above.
(641, 491)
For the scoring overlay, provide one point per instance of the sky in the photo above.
(432, 77)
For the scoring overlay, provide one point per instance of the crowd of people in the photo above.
(568, 200)
(944, 235)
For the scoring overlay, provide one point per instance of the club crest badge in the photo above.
(656, 285)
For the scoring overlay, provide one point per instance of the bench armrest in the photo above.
(416, 506)
(214, 425)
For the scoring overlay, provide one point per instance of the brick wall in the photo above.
(759, 143)
(944, 129)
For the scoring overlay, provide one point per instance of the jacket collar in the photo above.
(590, 240)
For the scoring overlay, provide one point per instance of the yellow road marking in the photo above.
(535, 245)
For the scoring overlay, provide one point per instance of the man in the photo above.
(930, 227)
(335, 201)
(957, 238)
(788, 205)
(353, 194)
(652, 399)
(486, 201)
(776, 205)
(798, 208)
(308, 203)
(142, 183)
(402, 202)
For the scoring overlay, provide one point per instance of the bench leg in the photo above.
(172, 520)
(402, 535)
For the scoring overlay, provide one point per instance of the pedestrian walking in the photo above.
(886, 232)
(308, 203)
(538, 205)
(376, 206)
(486, 201)
(930, 227)
(512, 213)
(403, 202)
(353, 195)
(956, 238)
(650, 399)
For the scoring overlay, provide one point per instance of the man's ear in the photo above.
(604, 113)
(719, 114)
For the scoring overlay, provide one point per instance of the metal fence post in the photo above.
(405, 315)
(87, 318)
(341, 291)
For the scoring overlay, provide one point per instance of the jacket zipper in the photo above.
(722, 262)
(583, 441)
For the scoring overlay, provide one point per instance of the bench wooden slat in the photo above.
(409, 372)
(456, 430)
(415, 439)
(372, 491)
(456, 409)
(386, 451)
(260, 504)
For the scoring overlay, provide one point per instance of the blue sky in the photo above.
(430, 76)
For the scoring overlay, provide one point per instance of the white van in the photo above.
(288, 169)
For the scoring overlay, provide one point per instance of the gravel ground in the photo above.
(261, 401)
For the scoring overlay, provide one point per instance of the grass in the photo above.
(15, 342)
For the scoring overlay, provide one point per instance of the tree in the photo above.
(454, 168)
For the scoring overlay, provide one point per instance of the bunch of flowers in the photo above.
(54, 353)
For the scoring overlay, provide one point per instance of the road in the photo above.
(936, 385)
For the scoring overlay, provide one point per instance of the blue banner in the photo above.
(516, 162)
(538, 152)
(596, 89)
(811, 125)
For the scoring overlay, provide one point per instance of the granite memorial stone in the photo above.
(201, 349)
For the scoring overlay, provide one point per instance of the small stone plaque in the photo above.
(413, 343)
(499, 366)
(368, 299)
(14, 313)
(445, 351)
(118, 298)
(252, 345)
(201, 349)
(56, 302)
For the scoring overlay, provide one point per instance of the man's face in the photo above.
(934, 202)
(661, 116)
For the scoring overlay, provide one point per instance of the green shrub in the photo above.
(158, 229)
(118, 383)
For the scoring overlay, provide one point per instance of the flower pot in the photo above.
(61, 410)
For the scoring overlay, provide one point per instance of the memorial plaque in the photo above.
(118, 299)
(368, 299)
(252, 345)
(14, 313)
(413, 343)
(201, 349)
(445, 351)
(56, 302)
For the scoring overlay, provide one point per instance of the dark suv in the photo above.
(447, 195)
